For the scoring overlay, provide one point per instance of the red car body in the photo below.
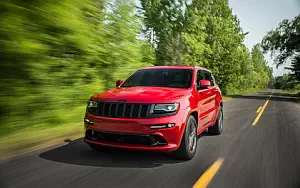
(202, 104)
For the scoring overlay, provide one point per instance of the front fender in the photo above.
(185, 117)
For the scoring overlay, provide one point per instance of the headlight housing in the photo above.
(165, 108)
(92, 104)
(92, 107)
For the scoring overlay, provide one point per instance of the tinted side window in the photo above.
(214, 80)
(200, 76)
(208, 76)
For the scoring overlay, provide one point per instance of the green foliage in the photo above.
(164, 21)
(55, 54)
(284, 44)
(287, 82)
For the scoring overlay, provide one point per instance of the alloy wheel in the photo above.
(221, 120)
(192, 138)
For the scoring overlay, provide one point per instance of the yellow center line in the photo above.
(207, 176)
(261, 110)
(258, 110)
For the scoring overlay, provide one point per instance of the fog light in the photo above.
(170, 125)
(88, 121)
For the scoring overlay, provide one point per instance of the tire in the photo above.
(188, 145)
(217, 128)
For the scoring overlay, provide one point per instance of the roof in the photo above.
(174, 67)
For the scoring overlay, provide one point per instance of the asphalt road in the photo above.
(264, 155)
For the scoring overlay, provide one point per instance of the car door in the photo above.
(206, 103)
(214, 91)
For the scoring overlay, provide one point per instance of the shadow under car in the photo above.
(79, 153)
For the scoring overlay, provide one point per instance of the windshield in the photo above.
(174, 78)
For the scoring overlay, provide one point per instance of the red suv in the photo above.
(159, 108)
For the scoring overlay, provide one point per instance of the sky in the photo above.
(260, 16)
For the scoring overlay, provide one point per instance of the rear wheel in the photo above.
(188, 146)
(217, 128)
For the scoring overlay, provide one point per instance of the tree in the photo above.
(194, 35)
(164, 22)
(122, 47)
(284, 44)
(212, 37)
(40, 58)
(203, 33)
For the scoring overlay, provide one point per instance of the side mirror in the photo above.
(119, 82)
(204, 84)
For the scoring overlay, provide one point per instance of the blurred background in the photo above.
(55, 54)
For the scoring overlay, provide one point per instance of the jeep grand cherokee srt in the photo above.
(159, 108)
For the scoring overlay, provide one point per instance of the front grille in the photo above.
(149, 140)
(120, 110)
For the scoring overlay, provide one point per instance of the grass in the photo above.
(292, 93)
(229, 95)
(226, 98)
(33, 139)
(246, 91)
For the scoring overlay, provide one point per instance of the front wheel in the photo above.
(188, 145)
(217, 128)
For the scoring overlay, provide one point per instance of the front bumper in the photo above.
(129, 133)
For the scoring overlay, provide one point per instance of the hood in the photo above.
(142, 94)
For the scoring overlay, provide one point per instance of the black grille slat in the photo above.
(100, 109)
(120, 110)
(144, 110)
(127, 110)
(109, 109)
(113, 109)
(116, 110)
(123, 113)
(103, 106)
(135, 111)
(131, 110)
(140, 110)
(106, 110)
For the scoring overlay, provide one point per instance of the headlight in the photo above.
(166, 107)
(92, 104)
(92, 107)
